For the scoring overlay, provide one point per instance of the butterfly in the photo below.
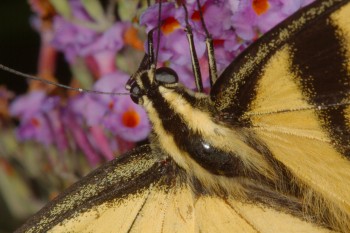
(266, 151)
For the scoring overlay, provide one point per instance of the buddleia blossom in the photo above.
(80, 35)
(116, 113)
(232, 24)
(39, 119)
(173, 44)
(255, 17)
(122, 116)
(99, 125)
(100, 49)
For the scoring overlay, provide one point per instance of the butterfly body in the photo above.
(266, 151)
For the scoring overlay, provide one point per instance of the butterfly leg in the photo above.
(194, 57)
(210, 48)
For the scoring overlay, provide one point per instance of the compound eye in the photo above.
(136, 93)
(166, 76)
(135, 90)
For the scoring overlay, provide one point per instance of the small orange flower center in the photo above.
(130, 118)
(110, 105)
(131, 38)
(260, 6)
(196, 14)
(169, 25)
(35, 122)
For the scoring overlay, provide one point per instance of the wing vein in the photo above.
(288, 131)
(316, 108)
(240, 215)
(138, 213)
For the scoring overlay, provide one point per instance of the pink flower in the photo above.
(122, 116)
(118, 114)
(256, 17)
(39, 117)
(75, 38)
(130, 122)
(173, 44)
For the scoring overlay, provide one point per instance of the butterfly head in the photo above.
(145, 83)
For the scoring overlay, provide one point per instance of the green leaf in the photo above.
(95, 10)
(62, 7)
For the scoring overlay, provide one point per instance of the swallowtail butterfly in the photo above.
(266, 151)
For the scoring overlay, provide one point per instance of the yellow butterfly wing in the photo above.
(296, 99)
(140, 192)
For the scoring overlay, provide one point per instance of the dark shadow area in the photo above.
(19, 43)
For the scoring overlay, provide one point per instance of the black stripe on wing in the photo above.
(126, 175)
(235, 89)
(318, 61)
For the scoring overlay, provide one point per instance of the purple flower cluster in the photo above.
(232, 24)
(39, 118)
(262, 15)
(101, 125)
(115, 113)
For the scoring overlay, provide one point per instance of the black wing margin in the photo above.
(119, 179)
(316, 52)
(318, 49)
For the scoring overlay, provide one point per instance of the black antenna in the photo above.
(23, 75)
(159, 34)
(150, 51)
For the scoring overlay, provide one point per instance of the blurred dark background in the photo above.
(19, 46)
(19, 43)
